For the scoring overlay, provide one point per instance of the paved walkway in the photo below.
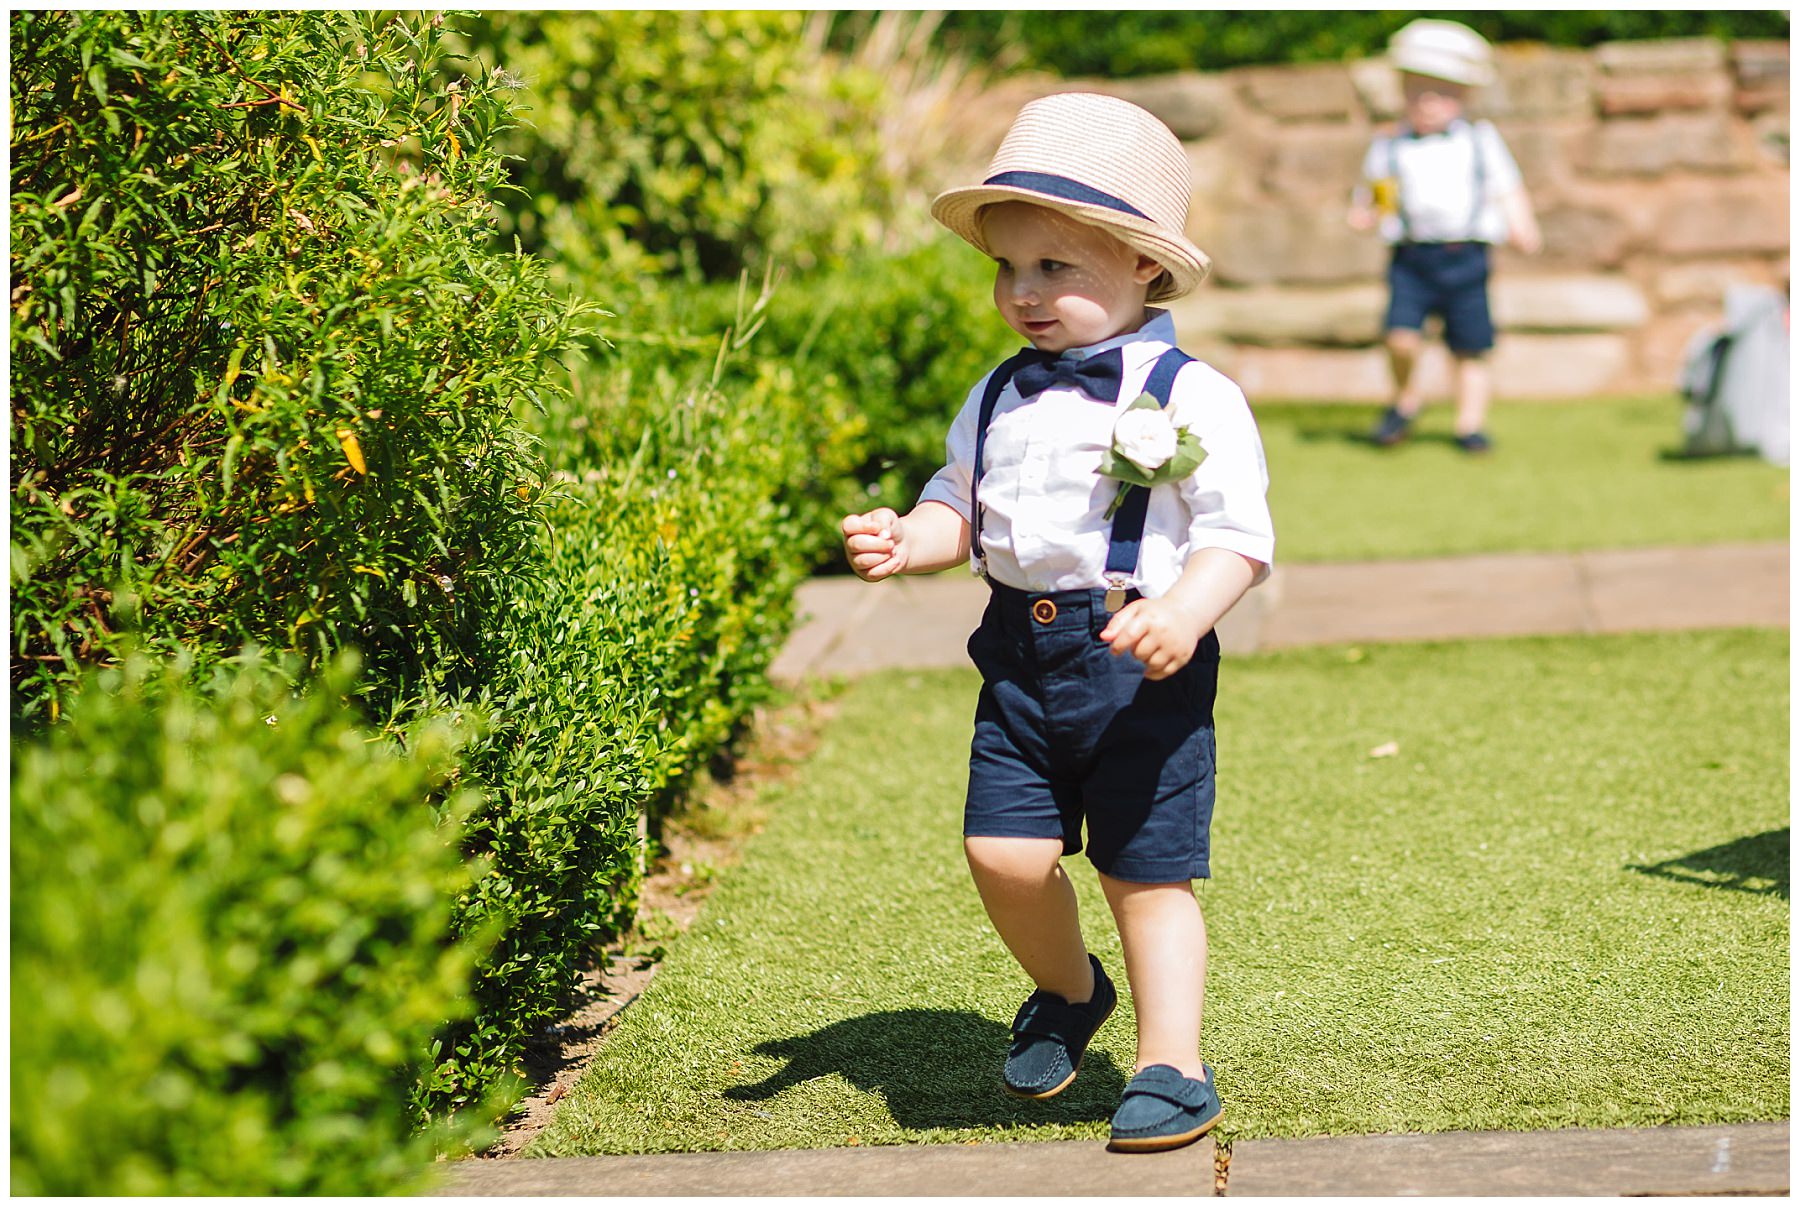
(1743, 1158)
(849, 627)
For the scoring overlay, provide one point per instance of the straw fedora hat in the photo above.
(1102, 161)
(1443, 50)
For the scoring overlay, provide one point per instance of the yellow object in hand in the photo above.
(1387, 195)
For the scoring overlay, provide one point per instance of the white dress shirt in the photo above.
(1436, 174)
(1043, 499)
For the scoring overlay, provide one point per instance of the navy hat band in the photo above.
(1064, 189)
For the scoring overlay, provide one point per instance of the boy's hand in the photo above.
(1160, 633)
(1529, 241)
(875, 543)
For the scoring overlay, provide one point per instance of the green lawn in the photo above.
(1564, 902)
(1589, 475)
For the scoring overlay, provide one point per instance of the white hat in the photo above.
(1102, 161)
(1443, 50)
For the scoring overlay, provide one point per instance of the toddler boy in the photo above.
(1443, 190)
(1097, 652)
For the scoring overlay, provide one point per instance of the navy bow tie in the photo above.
(1096, 376)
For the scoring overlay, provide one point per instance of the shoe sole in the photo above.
(1067, 1081)
(1153, 1144)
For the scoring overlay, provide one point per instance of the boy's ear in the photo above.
(1147, 270)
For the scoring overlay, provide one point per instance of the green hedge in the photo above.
(1148, 41)
(230, 939)
(272, 386)
(264, 359)
(689, 486)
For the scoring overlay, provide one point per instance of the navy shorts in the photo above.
(1450, 279)
(1068, 732)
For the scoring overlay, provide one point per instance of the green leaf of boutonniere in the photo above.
(1116, 465)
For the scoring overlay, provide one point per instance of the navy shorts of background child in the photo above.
(1099, 664)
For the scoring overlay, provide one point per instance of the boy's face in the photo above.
(1431, 105)
(1061, 283)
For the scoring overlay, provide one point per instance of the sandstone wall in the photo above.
(1658, 169)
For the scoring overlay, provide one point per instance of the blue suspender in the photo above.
(996, 382)
(1128, 520)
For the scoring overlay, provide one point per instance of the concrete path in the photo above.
(1744, 1158)
(851, 627)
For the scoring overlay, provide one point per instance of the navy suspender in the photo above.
(1128, 520)
(996, 382)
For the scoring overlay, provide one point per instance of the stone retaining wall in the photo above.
(1658, 170)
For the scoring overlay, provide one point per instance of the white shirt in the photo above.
(1043, 499)
(1436, 174)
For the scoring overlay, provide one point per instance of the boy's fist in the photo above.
(874, 543)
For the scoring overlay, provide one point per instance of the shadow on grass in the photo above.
(1757, 864)
(934, 1068)
(1354, 426)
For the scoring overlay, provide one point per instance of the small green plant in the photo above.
(902, 337)
(230, 938)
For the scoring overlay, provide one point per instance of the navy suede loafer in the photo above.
(1162, 1109)
(1050, 1035)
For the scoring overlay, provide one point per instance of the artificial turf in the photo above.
(1563, 476)
(1563, 902)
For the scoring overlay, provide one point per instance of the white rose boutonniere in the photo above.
(1148, 449)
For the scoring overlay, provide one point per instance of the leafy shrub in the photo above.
(903, 337)
(687, 486)
(684, 141)
(230, 926)
(264, 360)
(1146, 41)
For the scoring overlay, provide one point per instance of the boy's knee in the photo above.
(1404, 340)
(1013, 858)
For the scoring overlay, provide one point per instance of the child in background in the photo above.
(1443, 189)
(1097, 652)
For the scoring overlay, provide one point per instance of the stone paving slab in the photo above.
(1742, 1158)
(850, 627)
(1060, 1167)
(1739, 1158)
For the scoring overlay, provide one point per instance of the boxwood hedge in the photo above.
(231, 938)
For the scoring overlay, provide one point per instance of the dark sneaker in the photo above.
(1391, 428)
(1050, 1035)
(1475, 442)
(1161, 1109)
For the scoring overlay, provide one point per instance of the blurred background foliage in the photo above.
(693, 144)
(1148, 41)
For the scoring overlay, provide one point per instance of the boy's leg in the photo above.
(1474, 388)
(1164, 936)
(1031, 903)
(1403, 348)
(1469, 330)
(1410, 298)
